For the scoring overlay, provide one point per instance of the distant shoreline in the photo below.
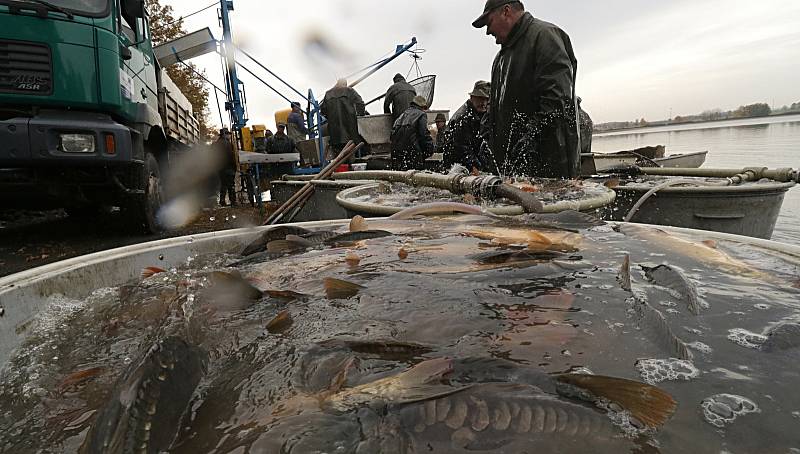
(659, 124)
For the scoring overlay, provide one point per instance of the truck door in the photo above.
(130, 79)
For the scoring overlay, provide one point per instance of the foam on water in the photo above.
(657, 370)
(722, 409)
(746, 338)
(700, 347)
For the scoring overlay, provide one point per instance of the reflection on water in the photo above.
(555, 304)
(771, 142)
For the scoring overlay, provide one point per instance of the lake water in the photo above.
(768, 142)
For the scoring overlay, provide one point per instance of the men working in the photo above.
(531, 128)
(398, 97)
(341, 106)
(461, 141)
(296, 127)
(411, 140)
(227, 169)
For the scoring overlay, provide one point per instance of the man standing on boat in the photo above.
(461, 140)
(398, 97)
(531, 124)
(411, 140)
(341, 106)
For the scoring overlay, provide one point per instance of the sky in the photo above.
(636, 58)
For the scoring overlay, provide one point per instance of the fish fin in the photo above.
(280, 323)
(358, 224)
(283, 246)
(624, 276)
(338, 381)
(285, 294)
(710, 243)
(540, 238)
(672, 278)
(656, 319)
(150, 271)
(647, 403)
(299, 241)
(339, 289)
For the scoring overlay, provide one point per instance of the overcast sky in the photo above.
(636, 58)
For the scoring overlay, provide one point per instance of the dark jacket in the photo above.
(279, 144)
(587, 128)
(341, 106)
(398, 97)
(531, 119)
(411, 140)
(227, 158)
(461, 140)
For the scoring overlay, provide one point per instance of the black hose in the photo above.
(529, 202)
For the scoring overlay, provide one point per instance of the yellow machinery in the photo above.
(259, 137)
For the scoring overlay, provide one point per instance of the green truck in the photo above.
(88, 118)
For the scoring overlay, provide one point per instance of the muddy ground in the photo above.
(33, 238)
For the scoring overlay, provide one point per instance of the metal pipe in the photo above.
(783, 175)
(397, 53)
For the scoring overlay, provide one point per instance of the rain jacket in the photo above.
(461, 140)
(341, 106)
(531, 121)
(279, 144)
(296, 126)
(411, 140)
(398, 97)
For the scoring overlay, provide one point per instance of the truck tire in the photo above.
(142, 210)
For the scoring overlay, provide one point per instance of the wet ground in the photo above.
(451, 335)
(33, 238)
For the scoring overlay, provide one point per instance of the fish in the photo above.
(387, 349)
(149, 401)
(784, 336)
(339, 289)
(438, 208)
(564, 220)
(351, 258)
(420, 382)
(275, 233)
(498, 257)
(402, 253)
(352, 237)
(700, 252)
(151, 271)
(671, 278)
(286, 246)
(533, 239)
(78, 377)
(285, 294)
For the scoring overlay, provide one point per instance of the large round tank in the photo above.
(524, 334)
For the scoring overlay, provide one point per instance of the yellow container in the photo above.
(282, 116)
(247, 139)
(258, 130)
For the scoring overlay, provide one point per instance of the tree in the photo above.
(753, 110)
(164, 27)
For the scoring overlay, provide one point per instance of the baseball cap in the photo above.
(491, 5)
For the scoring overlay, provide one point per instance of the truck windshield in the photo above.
(82, 7)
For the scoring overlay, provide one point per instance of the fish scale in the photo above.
(474, 413)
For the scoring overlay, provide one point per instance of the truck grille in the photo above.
(25, 68)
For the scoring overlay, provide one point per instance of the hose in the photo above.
(736, 179)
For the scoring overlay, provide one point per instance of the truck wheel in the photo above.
(143, 209)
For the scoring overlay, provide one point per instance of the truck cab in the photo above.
(83, 107)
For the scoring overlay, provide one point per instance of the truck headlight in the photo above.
(77, 143)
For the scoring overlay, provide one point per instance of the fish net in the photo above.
(425, 86)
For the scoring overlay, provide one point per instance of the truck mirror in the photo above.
(133, 8)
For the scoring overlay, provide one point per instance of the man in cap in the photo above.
(530, 127)
(280, 143)
(440, 122)
(461, 140)
(398, 97)
(296, 125)
(411, 139)
(341, 106)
